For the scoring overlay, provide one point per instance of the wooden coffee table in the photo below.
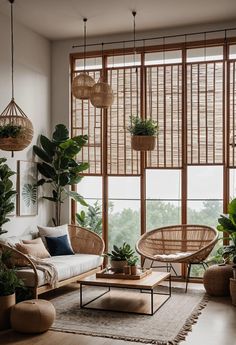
(122, 300)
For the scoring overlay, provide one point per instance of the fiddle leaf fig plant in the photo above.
(227, 224)
(6, 193)
(59, 167)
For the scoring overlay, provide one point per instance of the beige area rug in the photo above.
(168, 326)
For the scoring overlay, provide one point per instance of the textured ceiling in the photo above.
(61, 19)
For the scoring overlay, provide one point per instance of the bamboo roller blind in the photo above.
(206, 110)
(164, 105)
(87, 119)
(121, 159)
(232, 114)
(205, 113)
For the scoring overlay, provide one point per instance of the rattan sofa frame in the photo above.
(197, 240)
(83, 241)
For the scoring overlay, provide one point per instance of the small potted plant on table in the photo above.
(144, 132)
(132, 262)
(119, 257)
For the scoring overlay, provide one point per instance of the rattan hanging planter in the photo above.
(82, 86)
(143, 142)
(101, 95)
(16, 130)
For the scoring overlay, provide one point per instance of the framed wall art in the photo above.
(27, 191)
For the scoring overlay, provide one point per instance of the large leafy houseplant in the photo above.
(6, 193)
(9, 281)
(59, 167)
(227, 224)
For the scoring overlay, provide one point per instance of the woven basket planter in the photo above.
(118, 266)
(14, 116)
(143, 142)
(233, 290)
(216, 280)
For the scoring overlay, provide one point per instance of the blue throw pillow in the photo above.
(58, 245)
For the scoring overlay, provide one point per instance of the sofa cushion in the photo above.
(58, 245)
(34, 248)
(53, 232)
(68, 266)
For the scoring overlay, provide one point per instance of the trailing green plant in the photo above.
(9, 281)
(227, 224)
(122, 253)
(6, 193)
(139, 126)
(10, 131)
(92, 219)
(59, 167)
(133, 260)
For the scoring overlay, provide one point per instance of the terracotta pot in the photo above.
(6, 303)
(143, 142)
(118, 266)
(233, 290)
(134, 270)
(127, 269)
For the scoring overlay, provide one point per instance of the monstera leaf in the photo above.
(29, 194)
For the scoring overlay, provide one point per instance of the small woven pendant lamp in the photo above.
(16, 130)
(82, 84)
(101, 93)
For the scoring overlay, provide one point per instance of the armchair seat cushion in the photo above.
(67, 266)
(172, 257)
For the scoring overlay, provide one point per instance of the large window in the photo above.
(191, 92)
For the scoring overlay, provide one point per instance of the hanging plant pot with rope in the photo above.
(144, 133)
(16, 130)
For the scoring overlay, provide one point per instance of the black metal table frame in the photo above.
(146, 290)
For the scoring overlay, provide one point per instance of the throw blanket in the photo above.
(49, 270)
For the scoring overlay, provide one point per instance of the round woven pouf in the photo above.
(216, 280)
(34, 316)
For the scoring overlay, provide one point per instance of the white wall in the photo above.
(32, 93)
(61, 70)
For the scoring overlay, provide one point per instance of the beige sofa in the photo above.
(88, 248)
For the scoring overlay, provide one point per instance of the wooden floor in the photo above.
(216, 326)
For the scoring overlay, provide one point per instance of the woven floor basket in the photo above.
(143, 142)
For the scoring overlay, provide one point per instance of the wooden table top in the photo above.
(148, 282)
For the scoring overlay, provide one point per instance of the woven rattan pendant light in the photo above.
(102, 94)
(83, 83)
(16, 130)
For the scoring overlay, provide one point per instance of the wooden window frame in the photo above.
(226, 126)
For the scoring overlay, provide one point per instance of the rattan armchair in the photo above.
(189, 244)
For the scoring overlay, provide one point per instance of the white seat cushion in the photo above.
(67, 266)
(172, 257)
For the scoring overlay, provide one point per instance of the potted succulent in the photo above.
(144, 132)
(119, 257)
(9, 282)
(132, 262)
(227, 224)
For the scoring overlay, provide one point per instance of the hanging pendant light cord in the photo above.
(12, 50)
(85, 41)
